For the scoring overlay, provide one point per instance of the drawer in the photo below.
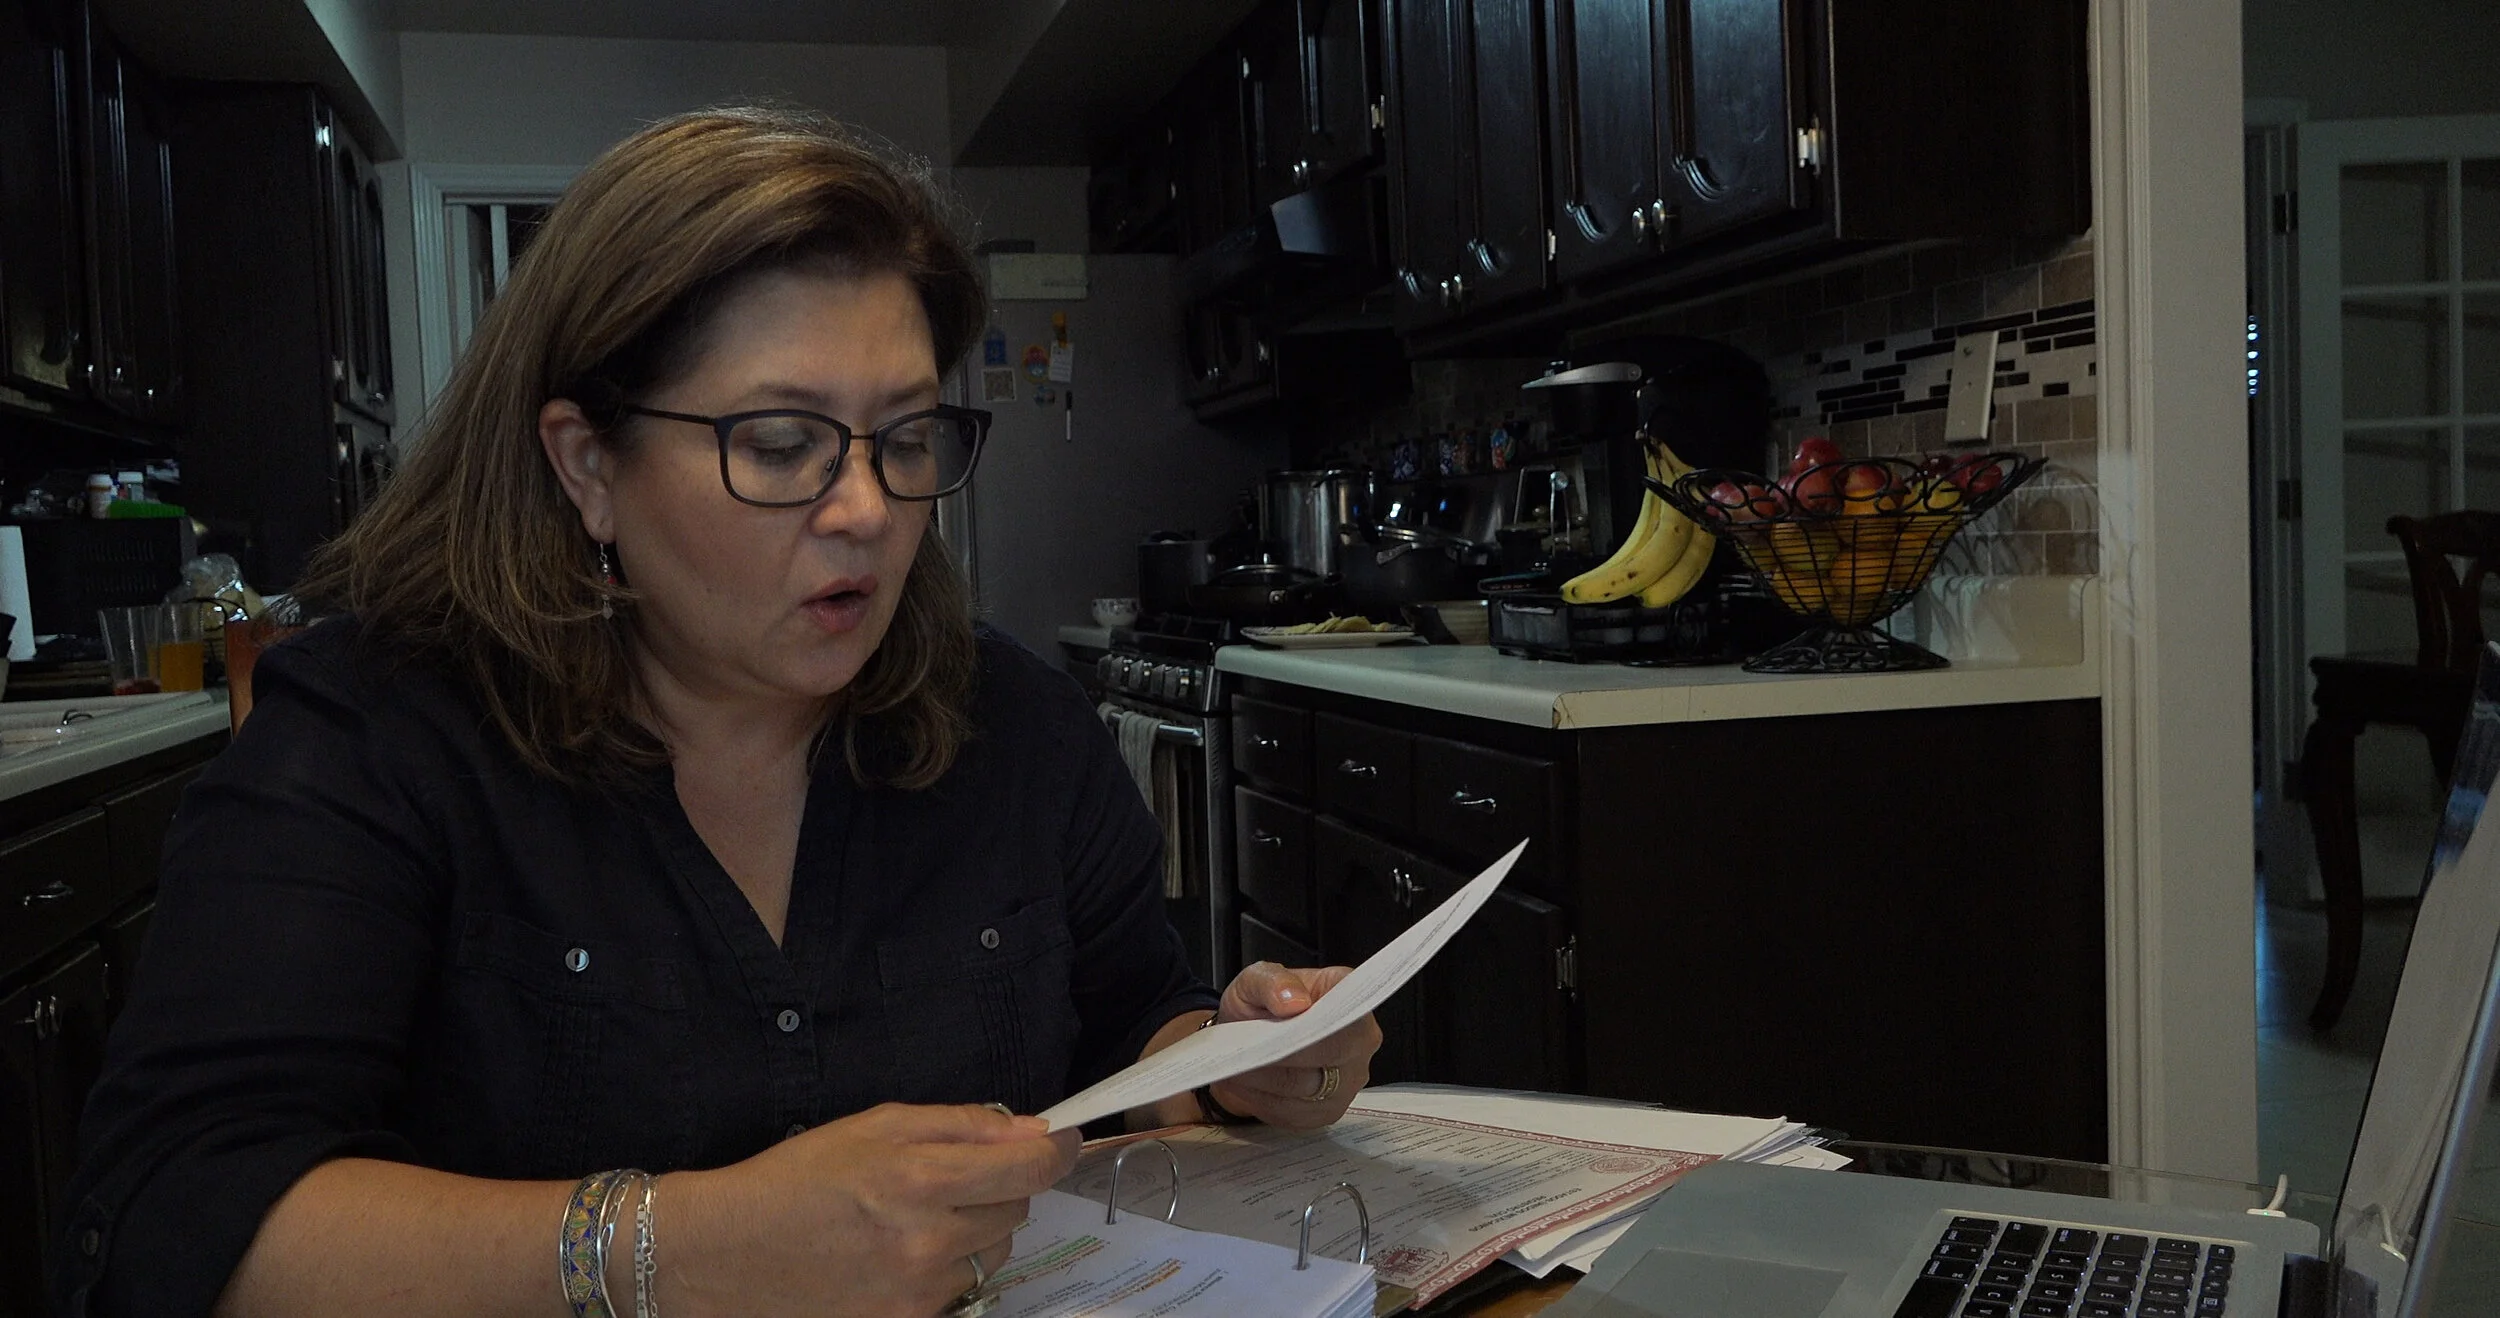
(1272, 858)
(1473, 804)
(1261, 941)
(1363, 771)
(55, 883)
(1272, 743)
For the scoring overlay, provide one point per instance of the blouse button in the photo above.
(797, 1128)
(577, 960)
(788, 1020)
(989, 939)
(90, 1242)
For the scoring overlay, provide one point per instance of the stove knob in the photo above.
(1106, 670)
(1168, 681)
(1189, 683)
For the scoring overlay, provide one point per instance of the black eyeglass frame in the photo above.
(723, 424)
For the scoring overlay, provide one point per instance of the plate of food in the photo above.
(1332, 634)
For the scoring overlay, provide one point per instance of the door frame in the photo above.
(2176, 728)
(430, 189)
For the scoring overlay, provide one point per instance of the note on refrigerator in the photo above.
(1221, 1052)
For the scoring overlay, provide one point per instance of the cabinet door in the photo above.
(1604, 116)
(1272, 859)
(1366, 897)
(1214, 151)
(1340, 65)
(1497, 1012)
(1425, 155)
(135, 820)
(130, 250)
(1731, 152)
(1504, 109)
(1272, 104)
(51, 1050)
(55, 880)
(121, 938)
(1364, 771)
(42, 302)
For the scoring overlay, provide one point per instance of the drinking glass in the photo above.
(130, 646)
(181, 651)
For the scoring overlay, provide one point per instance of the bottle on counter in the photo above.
(100, 496)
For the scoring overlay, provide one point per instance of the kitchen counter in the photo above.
(118, 733)
(2010, 641)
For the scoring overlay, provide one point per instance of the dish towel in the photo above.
(1158, 781)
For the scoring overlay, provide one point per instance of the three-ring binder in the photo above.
(1310, 1210)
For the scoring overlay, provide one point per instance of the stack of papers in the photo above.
(1069, 1263)
(1578, 1243)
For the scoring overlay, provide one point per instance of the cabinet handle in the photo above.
(1696, 172)
(1483, 805)
(50, 892)
(1401, 888)
(45, 1017)
(1262, 837)
(1267, 743)
(1358, 769)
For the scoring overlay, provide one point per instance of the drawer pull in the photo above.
(1358, 769)
(1263, 838)
(54, 891)
(1483, 805)
(1267, 743)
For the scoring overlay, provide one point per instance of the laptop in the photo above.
(1738, 1240)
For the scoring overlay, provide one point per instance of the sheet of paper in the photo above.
(1223, 1051)
(1446, 1198)
(1068, 1263)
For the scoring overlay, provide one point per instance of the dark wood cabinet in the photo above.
(289, 348)
(1738, 144)
(133, 322)
(51, 1051)
(1312, 76)
(1699, 898)
(1130, 199)
(1603, 66)
(1213, 150)
(42, 284)
(1272, 851)
(1466, 154)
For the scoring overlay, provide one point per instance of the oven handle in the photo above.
(1180, 735)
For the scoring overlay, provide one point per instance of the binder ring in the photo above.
(1362, 1219)
(1171, 1209)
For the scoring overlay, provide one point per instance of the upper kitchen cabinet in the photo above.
(1130, 199)
(1211, 115)
(135, 361)
(1466, 154)
(42, 276)
(358, 316)
(1314, 74)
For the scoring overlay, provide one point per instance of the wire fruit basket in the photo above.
(1845, 544)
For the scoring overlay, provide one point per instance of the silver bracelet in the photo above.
(646, 1254)
(603, 1231)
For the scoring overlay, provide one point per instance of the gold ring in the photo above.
(1328, 1078)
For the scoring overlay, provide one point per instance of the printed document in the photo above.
(1069, 1263)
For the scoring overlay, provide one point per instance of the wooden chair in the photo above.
(2431, 691)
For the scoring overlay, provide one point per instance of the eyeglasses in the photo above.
(783, 458)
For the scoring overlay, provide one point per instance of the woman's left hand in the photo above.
(1311, 1088)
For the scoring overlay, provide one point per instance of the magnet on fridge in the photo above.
(1063, 362)
(1036, 363)
(998, 383)
(994, 347)
(1045, 396)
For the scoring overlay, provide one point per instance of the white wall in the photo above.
(516, 100)
(1043, 203)
(2361, 59)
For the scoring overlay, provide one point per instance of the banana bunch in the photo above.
(1662, 558)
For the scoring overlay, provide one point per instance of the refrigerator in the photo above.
(1064, 492)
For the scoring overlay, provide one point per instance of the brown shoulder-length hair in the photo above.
(473, 558)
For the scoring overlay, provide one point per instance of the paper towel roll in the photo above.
(13, 599)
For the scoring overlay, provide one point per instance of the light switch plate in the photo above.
(1974, 386)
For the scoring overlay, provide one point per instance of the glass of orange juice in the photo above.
(181, 653)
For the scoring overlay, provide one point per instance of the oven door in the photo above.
(1196, 813)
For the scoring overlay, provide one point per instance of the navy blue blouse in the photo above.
(378, 934)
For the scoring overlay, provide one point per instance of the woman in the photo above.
(654, 804)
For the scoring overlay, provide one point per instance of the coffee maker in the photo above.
(1711, 404)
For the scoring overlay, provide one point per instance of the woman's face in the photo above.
(741, 601)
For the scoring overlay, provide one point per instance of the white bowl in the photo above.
(1114, 612)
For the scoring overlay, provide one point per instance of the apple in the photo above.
(1814, 451)
(1977, 475)
(1816, 489)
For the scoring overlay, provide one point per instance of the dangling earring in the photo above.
(607, 572)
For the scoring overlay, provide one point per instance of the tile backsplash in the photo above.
(1861, 354)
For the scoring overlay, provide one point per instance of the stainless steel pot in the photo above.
(1304, 515)
(1168, 564)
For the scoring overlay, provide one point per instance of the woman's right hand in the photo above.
(873, 1215)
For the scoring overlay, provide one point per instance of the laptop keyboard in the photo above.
(1985, 1268)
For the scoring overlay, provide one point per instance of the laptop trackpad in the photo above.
(1670, 1283)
